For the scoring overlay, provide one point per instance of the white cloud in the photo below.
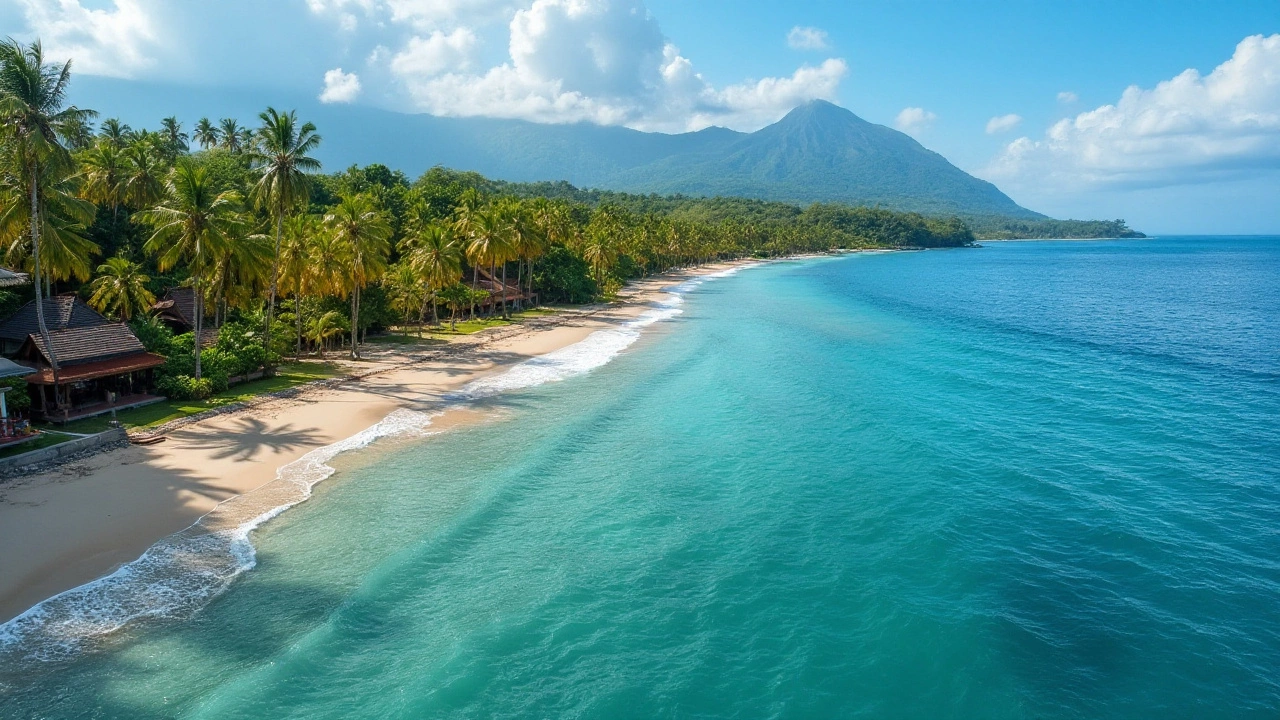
(914, 120)
(434, 54)
(1188, 129)
(340, 87)
(602, 61)
(1003, 123)
(1066, 97)
(807, 38)
(430, 14)
(119, 41)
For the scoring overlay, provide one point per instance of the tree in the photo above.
(103, 170)
(121, 289)
(32, 116)
(194, 225)
(144, 173)
(487, 244)
(207, 134)
(175, 141)
(296, 259)
(282, 160)
(435, 255)
(229, 130)
(326, 326)
(406, 291)
(358, 225)
(115, 132)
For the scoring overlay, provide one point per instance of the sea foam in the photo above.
(178, 575)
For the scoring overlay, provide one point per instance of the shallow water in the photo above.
(1029, 480)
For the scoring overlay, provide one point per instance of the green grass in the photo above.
(287, 375)
(46, 439)
(470, 327)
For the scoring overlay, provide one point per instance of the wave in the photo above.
(178, 575)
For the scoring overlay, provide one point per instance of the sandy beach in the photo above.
(87, 518)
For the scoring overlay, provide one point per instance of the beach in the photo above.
(83, 520)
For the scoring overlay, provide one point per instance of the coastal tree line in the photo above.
(285, 259)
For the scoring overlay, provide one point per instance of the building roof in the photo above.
(85, 344)
(9, 278)
(60, 313)
(9, 368)
(99, 369)
(177, 305)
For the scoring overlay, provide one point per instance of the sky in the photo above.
(1164, 113)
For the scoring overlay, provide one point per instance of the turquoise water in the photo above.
(1032, 480)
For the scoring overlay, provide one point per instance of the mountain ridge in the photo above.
(818, 152)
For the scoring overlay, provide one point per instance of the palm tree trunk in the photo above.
(475, 280)
(297, 312)
(35, 256)
(355, 323)
(275, 277)
(519, 282)
(505, 315)
(199, 319)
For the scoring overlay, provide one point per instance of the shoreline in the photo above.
(79, 523)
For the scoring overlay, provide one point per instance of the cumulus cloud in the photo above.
(1003, 123)
(1188, 129)
(1066, 97)
(119, 41)
(807, 38)
(602, 61)
(914, 120)
(340, 87)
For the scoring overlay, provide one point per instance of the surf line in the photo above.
(180, 574)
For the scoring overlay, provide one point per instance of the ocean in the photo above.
(1028, 480)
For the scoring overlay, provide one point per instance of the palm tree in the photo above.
(487, 242)
(144, 174)
(229, 129)
(296, 264)
(77, 133)
(436, 256)
(405, 291)
(175, 141)
(121, 289)
(63, 219)
(240, 273)
(103, 172)
(206, 134)
(115, 132)
(32, 115)
(324, 327)
(282, 161)
(194, 225)
(358, 225)
(467, 215)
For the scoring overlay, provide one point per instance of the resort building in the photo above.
(102, 366)
(177, 310)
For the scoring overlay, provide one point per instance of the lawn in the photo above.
(470, 327)
(45, 440)
(287, 375)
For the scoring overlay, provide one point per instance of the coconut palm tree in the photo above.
(77, 133)
(229, 130)
(357, 224)
(32, 96)
(144, 174)
(102, 169)
(121, 289)
(63, 220)
(240, 273)
(194, 225)
(175, 141)
(486, 244)
(296, 263)
(436, 256)
(405, 291)
(326, 326)
(207, 134)
(283, 161)
(467, 215)
(115, 132)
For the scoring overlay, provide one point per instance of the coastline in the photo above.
(84, 521)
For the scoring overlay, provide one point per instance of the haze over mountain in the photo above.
(819, 152)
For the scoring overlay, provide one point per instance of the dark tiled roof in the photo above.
(61, 312)
(95, 370)
(88, 344)
(178, 304)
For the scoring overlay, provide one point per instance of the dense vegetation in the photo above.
(285, 259)
(988, 227)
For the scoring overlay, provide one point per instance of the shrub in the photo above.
(185, 387)
(154, 335)
(17, 399)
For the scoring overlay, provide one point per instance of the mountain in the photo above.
(817, 153)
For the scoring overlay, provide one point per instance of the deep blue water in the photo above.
(1031, 480)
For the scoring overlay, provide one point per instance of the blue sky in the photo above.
(1034, 96)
